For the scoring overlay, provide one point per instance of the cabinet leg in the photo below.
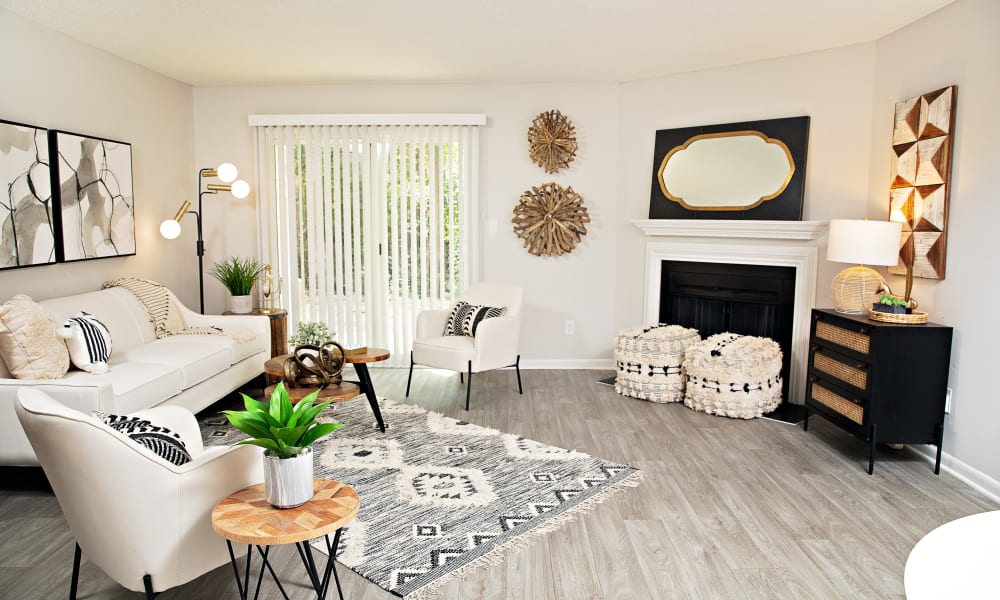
(871, 450)
(805, 421)
(940, 442)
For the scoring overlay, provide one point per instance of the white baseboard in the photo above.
(604, 364)
(962, 471)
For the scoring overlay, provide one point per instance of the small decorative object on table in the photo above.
(310, 332)
(286, 432)
(315, 365)
(887, 303)
(238, 274)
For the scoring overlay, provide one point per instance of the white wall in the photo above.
(575, 286)
(833, 87)
(52, 81)
(957, 45)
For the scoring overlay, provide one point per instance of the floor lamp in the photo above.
(171, 228)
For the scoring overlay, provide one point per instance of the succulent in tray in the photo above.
(889, 303)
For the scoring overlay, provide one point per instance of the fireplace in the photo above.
(744, 249)
(746, 299)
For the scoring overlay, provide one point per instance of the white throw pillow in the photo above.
(89, 342)
(28, 342)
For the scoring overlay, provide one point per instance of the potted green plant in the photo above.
(286, 432)
(310, 332)
(889, 303)
(238, 274)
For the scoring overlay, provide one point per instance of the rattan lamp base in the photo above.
(853, 289)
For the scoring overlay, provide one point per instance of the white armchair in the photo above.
(143, 520)
(495, 344)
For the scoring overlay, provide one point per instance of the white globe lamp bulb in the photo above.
(170, 229)
(240, 189)
(226, 172)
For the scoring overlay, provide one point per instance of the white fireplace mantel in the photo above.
(711, 228)
(774, 243)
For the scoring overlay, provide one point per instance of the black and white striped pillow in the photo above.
(162, 441)
(465, 318)
(89, 342)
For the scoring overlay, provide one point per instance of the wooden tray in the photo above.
(914, 318)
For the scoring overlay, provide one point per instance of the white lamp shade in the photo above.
(864, 242)
(240, 189)
(226, 172)
(170, 229)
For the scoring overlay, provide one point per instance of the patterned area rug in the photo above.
(440, 496)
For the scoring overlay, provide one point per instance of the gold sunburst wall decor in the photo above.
(551, 219)
(552, 141)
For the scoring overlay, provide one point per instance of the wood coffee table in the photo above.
(245, 517)
(347, 389)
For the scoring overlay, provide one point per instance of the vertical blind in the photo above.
(367, 225)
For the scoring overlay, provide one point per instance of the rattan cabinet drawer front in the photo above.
(838, 403)
(855, 340)
(852, 372)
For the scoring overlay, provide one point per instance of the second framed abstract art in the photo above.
(95, 212)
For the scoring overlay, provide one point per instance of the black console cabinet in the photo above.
(883, 382)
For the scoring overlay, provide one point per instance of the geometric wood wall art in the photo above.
(550, 219)
(96, 215)
(27, 229)
(552, 141)
(922, 139)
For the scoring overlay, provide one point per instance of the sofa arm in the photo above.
(259, 324)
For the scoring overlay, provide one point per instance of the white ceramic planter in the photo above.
(240, 305)
(288, 482)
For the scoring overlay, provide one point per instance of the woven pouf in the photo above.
(733, 376)
(650, 361)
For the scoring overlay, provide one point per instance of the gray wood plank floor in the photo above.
(727, 508)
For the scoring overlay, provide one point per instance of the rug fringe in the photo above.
(498, 554)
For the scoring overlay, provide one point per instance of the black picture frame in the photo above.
(92, 181)
(786, 206)
(28, 232)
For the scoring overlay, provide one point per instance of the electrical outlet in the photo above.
(569, 327)
(947, 402)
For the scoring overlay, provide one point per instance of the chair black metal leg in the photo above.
(410, 377)
(468, 387)
(147, 582)
(517, 367)
(76, 573)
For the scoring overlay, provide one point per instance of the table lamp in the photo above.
(861, 243)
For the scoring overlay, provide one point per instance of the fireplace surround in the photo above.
(770, 243)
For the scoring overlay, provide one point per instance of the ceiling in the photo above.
(261, 42)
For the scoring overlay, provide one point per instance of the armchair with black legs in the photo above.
(144, 521)
(480, 333)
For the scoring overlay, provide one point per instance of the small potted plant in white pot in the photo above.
(238, 274)
(286, 432)
(313, 333)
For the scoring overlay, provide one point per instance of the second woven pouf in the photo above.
(733, 375)
(650, 361)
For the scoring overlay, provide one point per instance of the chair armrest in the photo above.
(179, 420)
(430, 323)
(496, 342)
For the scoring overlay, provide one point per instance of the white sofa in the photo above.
(192, 371)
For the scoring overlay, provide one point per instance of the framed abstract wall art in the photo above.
(96, 209)
(27, 227)
(922, 138)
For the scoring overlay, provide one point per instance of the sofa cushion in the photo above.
(237, 349)
(88, 341)
(29, 345)
(134, 386)
(196, 360)
(449, 351)
(119, 310)
(160, 440)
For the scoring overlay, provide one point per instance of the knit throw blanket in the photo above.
(163, 314)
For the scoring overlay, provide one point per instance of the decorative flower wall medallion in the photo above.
(550, 219)
(552, 141)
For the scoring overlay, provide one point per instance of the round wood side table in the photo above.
(245, 517)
